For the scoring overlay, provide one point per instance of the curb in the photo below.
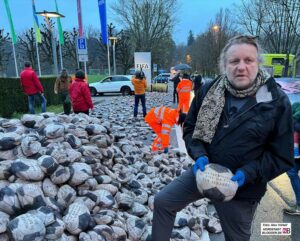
(282, 186)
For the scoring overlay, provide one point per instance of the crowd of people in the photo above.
(241, 120)
(73, 91)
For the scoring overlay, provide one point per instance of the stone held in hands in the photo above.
(214, 183)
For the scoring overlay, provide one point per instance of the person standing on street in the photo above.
(175, 81)
(61, 87)
(197, 82)
(293, 174)
(140, 84)
(184, 89)
(243, 121)
(161, 119)
(32, 87)
(80, 94)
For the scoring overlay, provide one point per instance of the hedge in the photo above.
(12, 98)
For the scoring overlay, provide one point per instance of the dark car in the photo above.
(160, 79)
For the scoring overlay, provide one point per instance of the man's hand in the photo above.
(239, 177)
(200, 163)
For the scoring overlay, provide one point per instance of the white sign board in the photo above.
(83, 58)
(82, 45)
(142, 60)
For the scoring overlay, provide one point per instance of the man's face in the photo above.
(241, 65)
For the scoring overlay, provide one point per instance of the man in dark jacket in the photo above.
(175, 81)
(32, 87)
(197, 82)
(242, 121)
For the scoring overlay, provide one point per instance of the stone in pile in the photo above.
(68, 178)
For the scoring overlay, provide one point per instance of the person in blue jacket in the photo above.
(294, 172)
(242, 120)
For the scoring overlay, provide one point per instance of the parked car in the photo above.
(113, 84)
(166, 75)
(160, 79)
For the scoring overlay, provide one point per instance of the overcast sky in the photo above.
(191, 15)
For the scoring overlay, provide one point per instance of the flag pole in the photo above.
(38, 57)
(12, 32)
(16, 66)
(37, 36)
(61, 37)
(108, 58)
(61, 59)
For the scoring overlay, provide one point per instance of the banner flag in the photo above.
(102, 14)
(36, 24)
(60, 32)
(12, 29)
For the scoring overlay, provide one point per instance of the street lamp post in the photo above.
(114, 40)
(47, 15)
(217, 30)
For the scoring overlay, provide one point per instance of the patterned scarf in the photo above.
(214, 101)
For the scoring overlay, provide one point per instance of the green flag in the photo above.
(12, 30)
(60, 32)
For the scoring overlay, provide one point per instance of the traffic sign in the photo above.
(154, 67)
(81, 45)
(83, 58)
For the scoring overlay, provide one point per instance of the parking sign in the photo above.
(81, 46)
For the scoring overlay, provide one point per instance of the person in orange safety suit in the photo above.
(161, 119)
(184, 89)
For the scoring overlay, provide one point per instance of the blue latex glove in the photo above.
(296, 152)
(166, 150)
(239, 177)
(200, 163)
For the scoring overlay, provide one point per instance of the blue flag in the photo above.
(102, 13)
(36, 24)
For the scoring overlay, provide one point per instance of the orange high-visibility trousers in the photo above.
(184, 102)
(156, 144)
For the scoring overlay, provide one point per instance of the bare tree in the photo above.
(125, 50)
(5, 51)
(149, 22)
(69, 49)
(27, 46)
(205, 51)
(276, 22)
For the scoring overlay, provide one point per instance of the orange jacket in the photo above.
(184, 89)
(166, 118)
(140, 85)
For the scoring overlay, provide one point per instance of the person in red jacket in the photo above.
(32, 87)
(80, 94)
(161, 119)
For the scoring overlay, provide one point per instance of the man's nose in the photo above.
(241, 66)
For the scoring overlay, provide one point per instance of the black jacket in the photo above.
(259, 140)
(197, 83)
(176, 81)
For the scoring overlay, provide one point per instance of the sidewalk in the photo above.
(282, 186)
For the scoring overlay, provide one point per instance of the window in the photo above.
(106, 80)
(116, 79)
(278, 61)
(124, 79)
